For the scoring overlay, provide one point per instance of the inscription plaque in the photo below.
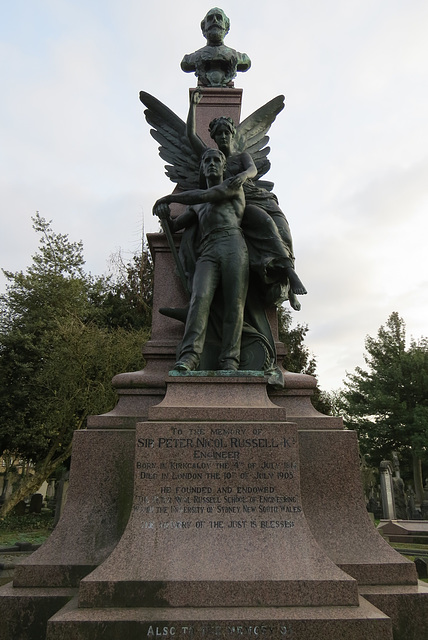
(214, 478)
(220, 630)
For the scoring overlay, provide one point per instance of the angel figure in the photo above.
(265, 226)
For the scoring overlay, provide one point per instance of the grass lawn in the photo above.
(32, 528)
(399, 546)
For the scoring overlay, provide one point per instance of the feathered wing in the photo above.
(170, 132)
(251, 133)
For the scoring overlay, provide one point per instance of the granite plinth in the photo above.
(407, 606)
(216, 102)
(338, 517)
(217, 397)
(24, 613)
(168, 291)
(295, 398)
(363, 622)
(95, 515)
(217, 520)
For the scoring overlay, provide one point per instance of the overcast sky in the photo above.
(349, 153)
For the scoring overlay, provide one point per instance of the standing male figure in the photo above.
(222, 260)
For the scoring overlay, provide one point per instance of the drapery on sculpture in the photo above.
(215, 65)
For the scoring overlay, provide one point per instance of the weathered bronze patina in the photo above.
(215, 65)
(223, 257)
(236, 262)
(266, 227)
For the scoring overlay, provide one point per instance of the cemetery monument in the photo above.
(214, 501)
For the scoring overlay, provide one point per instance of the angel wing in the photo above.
(251, 133)
(170, 132)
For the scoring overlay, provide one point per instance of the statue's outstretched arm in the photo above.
(196, 143)
(217, 193)
(184, 220)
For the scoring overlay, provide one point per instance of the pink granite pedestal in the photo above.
(218, 542)
(95, 515)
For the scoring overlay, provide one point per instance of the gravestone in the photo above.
(424, 505)
(414, 531)
(399, 490)
(36, 503)
(213, 504)
(387, 490)
(20, 508)
(422, 567)
(413, 512)
(61, 490)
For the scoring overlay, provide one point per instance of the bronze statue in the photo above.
(215, 65)
(236, 253)
(265, 226)
(223, 258)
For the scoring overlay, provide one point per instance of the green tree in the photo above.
(387, 403)
(60, 345)
(129, 299)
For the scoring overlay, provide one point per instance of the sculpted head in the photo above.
(222, 130)
(215, 26)
(219, 123)
(213, 161)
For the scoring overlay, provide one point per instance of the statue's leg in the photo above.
(256, 220)
(235, 274)
(267, 249)
(205, 281)
(284, 230)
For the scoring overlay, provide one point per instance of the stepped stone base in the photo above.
(95, 515)
(328, 575)
(202, 395)
(363, 622)
(338, 517)
(217, 521)
(407, 606)
(24, 613)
